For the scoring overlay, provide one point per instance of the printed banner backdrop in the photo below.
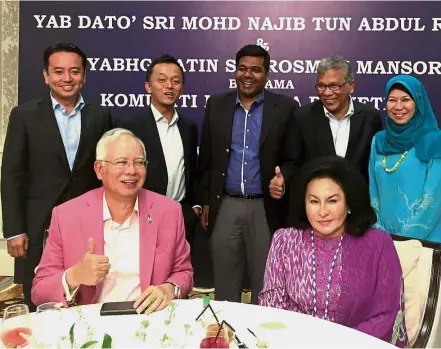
(380, 39)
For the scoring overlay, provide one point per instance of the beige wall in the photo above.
(8, 91)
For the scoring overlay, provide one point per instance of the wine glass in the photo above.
(48, 327)
(210, 340)
(16, 326)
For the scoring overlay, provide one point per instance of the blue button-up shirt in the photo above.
(243, 174)
(69, 126)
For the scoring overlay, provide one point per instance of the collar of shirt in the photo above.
(107, 215)
(350, 112)
(158, 116)
(258, 101)
(78, 106)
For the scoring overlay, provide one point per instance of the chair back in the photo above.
(421, 264)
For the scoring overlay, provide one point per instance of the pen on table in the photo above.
(251, 332)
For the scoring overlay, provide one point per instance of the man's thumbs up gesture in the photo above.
(91, 249)
(91, 270)
(277, 185)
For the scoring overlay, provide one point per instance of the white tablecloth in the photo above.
(297, 330)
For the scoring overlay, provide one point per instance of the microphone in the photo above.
(149, 218)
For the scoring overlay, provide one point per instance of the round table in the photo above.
(175, 326)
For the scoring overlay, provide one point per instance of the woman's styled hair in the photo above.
(362, 216)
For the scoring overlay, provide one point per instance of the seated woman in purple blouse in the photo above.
(332, 264)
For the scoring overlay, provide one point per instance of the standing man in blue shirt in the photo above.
(242, 148)
(48, 157)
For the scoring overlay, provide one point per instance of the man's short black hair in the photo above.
(254, 51)
(351, 182)
(63, 47)
(165, 58)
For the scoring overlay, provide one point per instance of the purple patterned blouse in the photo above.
(366, 287)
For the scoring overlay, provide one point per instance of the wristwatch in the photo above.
(177, 290)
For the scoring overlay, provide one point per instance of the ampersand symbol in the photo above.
(262, 44)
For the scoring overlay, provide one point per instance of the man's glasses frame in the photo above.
(332, 87)
(120, 164)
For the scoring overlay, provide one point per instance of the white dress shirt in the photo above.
(121, 245)
(340, 129)
(173, 149)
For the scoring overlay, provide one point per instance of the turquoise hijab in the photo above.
(420, 132)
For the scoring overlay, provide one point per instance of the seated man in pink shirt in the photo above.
(119, 242)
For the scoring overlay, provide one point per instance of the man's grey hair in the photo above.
(336, 62)
(106, 138)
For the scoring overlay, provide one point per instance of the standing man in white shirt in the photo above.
(334, 125)
(48, 157)
(171, 139)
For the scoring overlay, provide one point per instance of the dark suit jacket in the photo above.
(313, 137)
(278, 116)
(143, 125)
(35, 174)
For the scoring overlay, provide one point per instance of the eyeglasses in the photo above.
(120, 164)
(332, 87)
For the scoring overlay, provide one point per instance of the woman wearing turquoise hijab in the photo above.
(405, 164)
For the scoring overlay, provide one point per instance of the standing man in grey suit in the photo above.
(48, 157)
(243, 142)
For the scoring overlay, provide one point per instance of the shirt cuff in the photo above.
(15, 236)
(68, 294)
(197, 206)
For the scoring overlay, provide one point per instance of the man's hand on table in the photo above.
(155, 298)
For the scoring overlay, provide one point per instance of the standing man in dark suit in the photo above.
(170, 139)
(335, 124)
(243, 141)
(48, 157)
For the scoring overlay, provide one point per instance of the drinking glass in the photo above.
(48, 327)
(16, 326)
(210, 340)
